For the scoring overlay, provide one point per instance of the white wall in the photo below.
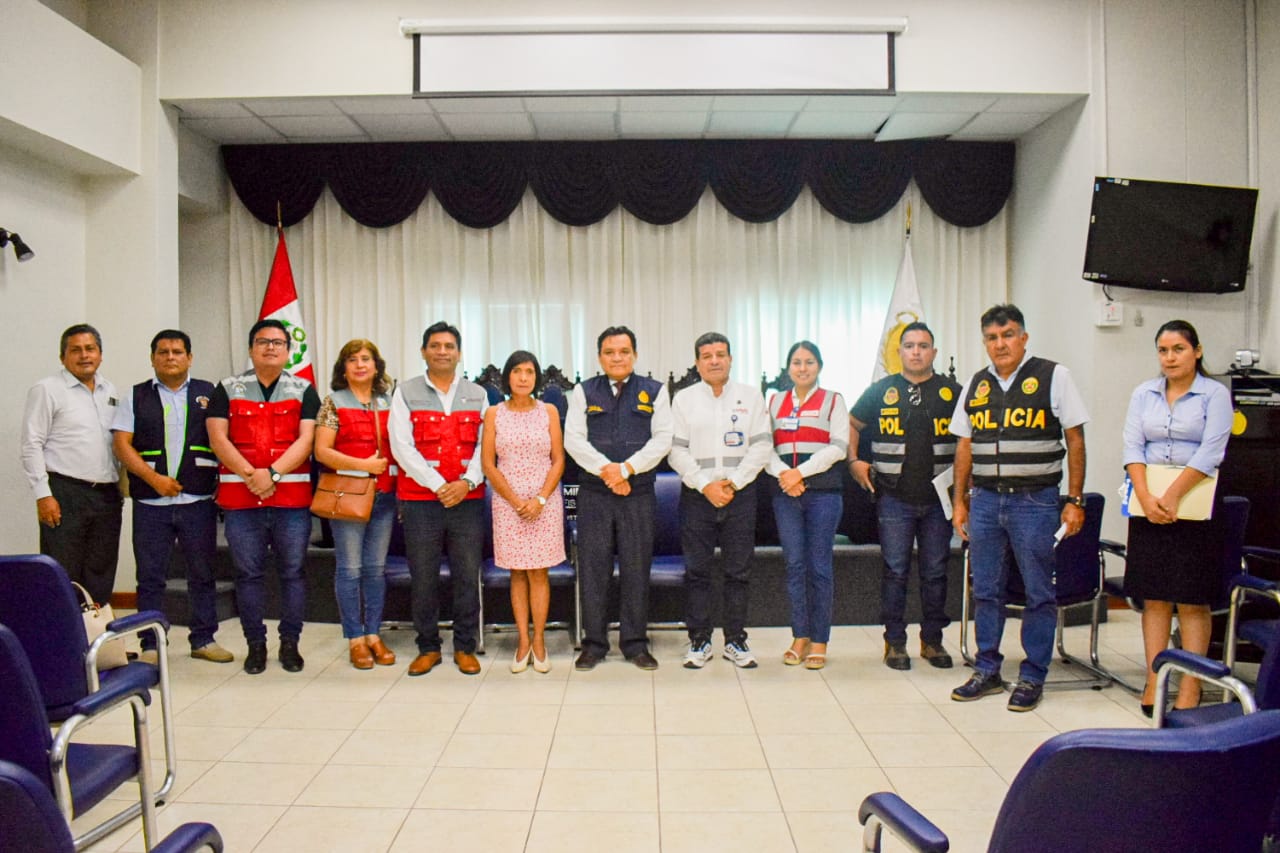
(246, 48)
(38, 299)
(1169, 104)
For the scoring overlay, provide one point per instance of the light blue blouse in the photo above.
(1193, 433)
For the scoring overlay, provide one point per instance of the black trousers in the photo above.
(609, 522)
(702, 528)
(429, 529)
(87, 542)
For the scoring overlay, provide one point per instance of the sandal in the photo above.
(815, 661)
(794, 656)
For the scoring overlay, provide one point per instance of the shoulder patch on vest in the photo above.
(891, 396)
(1030, 384)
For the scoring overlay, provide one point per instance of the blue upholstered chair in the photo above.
(1122, 789)
(64, 663)
(1078, 577)
(30, 820)
(78, 776)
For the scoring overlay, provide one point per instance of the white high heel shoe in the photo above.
(543, 666)
(520, 664)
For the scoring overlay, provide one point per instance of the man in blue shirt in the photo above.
(160, 438)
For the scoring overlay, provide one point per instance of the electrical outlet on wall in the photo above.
(1110, 314)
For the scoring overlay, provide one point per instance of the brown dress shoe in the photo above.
(361, 656)
(382, 655)
(424, 663)
(467, 663)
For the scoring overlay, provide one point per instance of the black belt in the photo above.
(1013, 490)
(101, 487)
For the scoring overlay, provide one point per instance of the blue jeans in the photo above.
(1021, 524)
(807, 530)
(903, 524)
(195, 528)
(286, 531)
(360, 554)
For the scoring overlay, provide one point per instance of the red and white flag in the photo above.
(280, 302)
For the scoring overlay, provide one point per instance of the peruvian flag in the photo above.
(280, 302)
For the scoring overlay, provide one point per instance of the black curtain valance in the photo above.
(659, 182)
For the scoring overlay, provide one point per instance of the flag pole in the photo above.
(280, 222)
(908, 218)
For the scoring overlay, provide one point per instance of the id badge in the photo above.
(790, 424)
(734, 438)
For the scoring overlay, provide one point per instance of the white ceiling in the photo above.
(965, 116)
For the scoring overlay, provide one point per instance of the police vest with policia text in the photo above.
(1016, 438)
(889, 441)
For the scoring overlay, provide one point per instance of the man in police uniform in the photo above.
(906, 415)
(66, 454)
(1011, 421)
(261, 425)
(720, 443)
(435, 425)
(161, 439)
(618, 430)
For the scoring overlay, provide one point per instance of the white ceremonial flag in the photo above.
(904, 309)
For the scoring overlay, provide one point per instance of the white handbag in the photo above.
(96, 618)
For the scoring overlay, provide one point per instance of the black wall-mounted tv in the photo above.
(1156, 235)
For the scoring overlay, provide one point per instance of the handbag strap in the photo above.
(86, 600)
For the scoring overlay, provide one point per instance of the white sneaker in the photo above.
(740, 655)
(698, 655)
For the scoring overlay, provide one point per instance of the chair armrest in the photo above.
(1211, 671)
(572, 524)
(139, 621)
(190, 837)
(1257, 552)
(1254, 583)
(1110, 546)
(110, 694)
(907, 824)
(1190, 663)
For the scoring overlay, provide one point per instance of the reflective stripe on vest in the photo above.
(1016, 438)
(262, 431)
(355, 436)
(813, 433)
(446, 442)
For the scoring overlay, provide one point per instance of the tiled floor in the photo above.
(775, 758)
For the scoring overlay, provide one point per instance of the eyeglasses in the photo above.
(914, 397)
(269, 343)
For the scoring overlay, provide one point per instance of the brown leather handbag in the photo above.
(343, 497)
(347, 496)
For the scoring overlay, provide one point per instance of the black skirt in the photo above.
(1179, 562)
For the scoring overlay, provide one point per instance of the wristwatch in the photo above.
(1076, 500)
(275, 475)
(540, 499)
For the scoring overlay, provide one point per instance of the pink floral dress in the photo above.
(522, 441)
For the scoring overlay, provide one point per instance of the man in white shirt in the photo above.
(721, 441)
(618, 430)
(66, 454)
(434, 429)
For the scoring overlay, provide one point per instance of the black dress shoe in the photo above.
(586, 661)
(256, 661)
(644, 660)
(289, 657)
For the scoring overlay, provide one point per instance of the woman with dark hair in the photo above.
(1183, 418)
(810, 438)
(351, 436)
(522, 449)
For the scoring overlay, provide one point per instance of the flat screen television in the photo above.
(1156, 235)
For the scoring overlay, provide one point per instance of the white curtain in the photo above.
(534, 283)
